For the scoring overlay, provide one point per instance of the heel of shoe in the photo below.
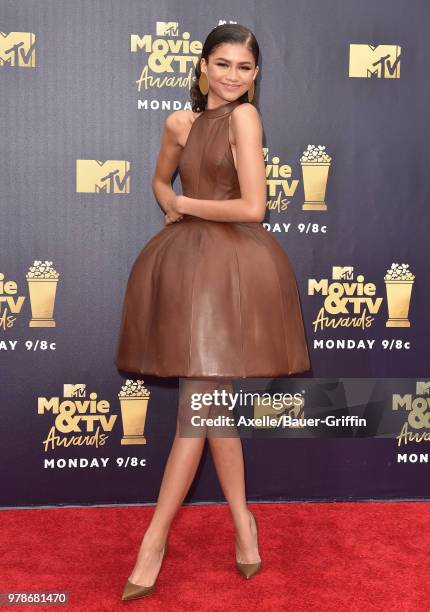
(136, 591)
(247, 570)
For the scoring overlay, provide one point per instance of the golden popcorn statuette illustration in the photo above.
(399, 281)
(42, 282)
(133, 398)
(315, 164)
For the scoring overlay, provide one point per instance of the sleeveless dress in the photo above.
(210, 298)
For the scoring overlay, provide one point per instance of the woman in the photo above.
(211, 297)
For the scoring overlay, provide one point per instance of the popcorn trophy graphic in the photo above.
(42, 282)
(133, 397)
(398, 283)
(315, 166)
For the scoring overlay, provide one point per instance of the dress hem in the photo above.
(212, 375)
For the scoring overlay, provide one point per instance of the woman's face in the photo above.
(230, 71)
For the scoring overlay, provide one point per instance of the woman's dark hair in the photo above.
(225, 33)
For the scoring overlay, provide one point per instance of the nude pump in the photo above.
(136, 591)
(248, 570)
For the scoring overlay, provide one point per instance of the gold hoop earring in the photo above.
(251, 92)
(204, 83)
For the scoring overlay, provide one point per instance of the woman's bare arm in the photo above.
(168, 160)
(251, 206)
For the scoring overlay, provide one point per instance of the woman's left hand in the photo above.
(172, 215)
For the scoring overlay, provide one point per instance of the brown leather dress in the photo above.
(210, 298)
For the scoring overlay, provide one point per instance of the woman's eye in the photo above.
(243, 67)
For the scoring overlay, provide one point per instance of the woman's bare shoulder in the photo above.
(179, 123)
(246, 109)
(244, 117)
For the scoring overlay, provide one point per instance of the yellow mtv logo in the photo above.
(95, 176)
(377, 62)
(343, 272)
(167, 28)
(18, 49)
(70, 390)
(263, 409)
(423, 388)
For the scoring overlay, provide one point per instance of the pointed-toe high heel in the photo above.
(136, 591)
(248, 570)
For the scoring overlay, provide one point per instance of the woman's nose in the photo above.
(232, 73)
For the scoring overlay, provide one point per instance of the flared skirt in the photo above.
(212, 299)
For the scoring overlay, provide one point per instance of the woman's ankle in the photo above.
(242, 518)
(155, 539)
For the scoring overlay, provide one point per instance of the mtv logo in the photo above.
(379, 61)
(423, 388)
(343, 272)
(261, 410)
(18, 49)
(95, 176)
(70, 390)
(167, 28)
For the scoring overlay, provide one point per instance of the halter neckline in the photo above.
(223, 109)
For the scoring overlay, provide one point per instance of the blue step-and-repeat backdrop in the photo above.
(344, 99)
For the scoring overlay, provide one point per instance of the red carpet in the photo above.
(316, 556)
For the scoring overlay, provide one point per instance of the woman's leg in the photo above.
(227, 456)
(178, 475)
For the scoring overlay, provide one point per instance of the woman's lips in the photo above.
(230, 86)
